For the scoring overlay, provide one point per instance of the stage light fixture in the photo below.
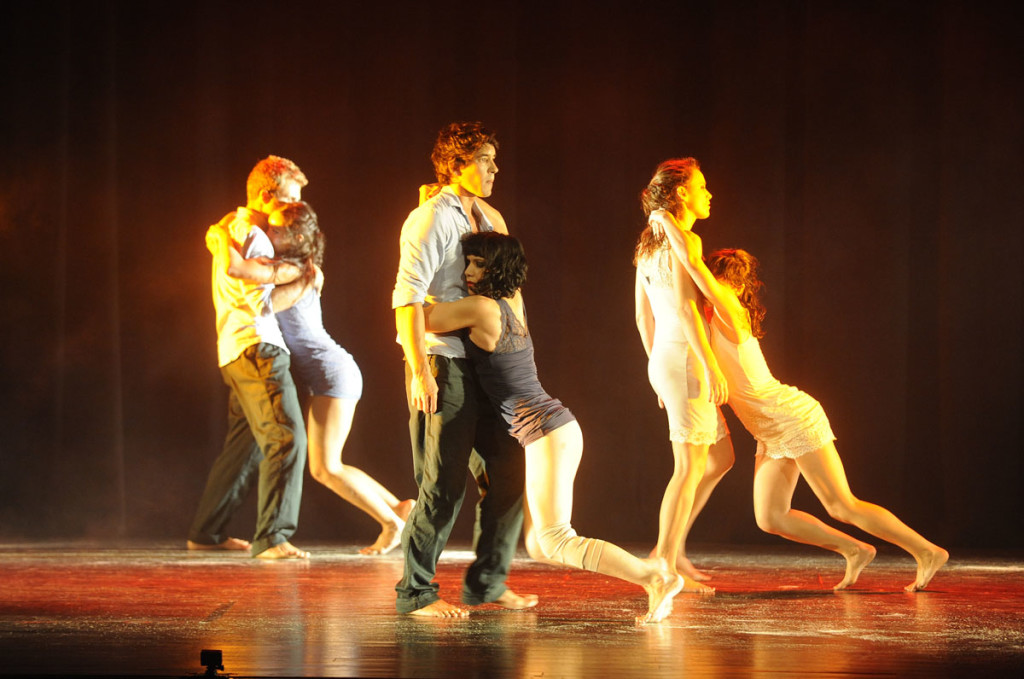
(212, 660)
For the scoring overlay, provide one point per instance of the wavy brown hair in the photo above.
(299, 240)
(504, 262)
(660, 194)
(738, 269)
(455, 146)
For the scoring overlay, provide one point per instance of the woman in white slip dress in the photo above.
(682, 368)
(793, 434)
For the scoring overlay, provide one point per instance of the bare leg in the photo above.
(551, 465)
(720, 460)
(330, 420)
(825, 474)
(774, 483)
(677, 505)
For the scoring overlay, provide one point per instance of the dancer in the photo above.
(681, 367)
(499, 344)
(326, 371)
(266, 440)
(452, 424)
(793, 434)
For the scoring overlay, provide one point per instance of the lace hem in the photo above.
(805, 442)
(697, 438)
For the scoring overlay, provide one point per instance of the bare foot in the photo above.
(283, 550)
(692, 587)
(404, 509)
(515, 602)
(389, 538)
(231, 544)
(663, 586)
(928, 564)
(686, 568)
(441, 609)
(855, 563)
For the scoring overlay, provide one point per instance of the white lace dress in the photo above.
(785, 421)
(673, 369)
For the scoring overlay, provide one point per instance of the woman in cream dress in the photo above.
(793, 434)
(682, 368)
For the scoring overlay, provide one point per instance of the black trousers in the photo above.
(464, 433)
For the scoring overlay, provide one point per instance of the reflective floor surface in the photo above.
(149, 608)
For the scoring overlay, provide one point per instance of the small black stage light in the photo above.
(212, 661)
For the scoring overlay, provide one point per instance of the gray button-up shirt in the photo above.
(431, 266)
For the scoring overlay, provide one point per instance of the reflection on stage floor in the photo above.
(146, 608)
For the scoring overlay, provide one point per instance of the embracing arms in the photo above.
(285, 276)
(688, 249)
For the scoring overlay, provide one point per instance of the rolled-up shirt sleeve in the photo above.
(421, 255)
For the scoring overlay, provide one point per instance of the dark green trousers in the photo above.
(265, 444)
(464, 434)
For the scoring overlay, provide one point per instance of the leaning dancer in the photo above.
(793, 434)
(499, 345)
(327, 373)
(681, 367)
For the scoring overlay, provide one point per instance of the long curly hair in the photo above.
(504, 262)
(738, 269)
(299, 240)
(660, 194)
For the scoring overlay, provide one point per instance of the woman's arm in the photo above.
(644, 315)
(284, 296)
(257, 270)
(448, 316)
(688, 249)
(695, 329)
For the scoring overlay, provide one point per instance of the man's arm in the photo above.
(411, 325)
(258, 270)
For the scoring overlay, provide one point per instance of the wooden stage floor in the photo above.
(147, 609)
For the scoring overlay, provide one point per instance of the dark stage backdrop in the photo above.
(870, 153)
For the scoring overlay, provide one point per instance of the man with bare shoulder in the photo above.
(452, 424)
(266, 440)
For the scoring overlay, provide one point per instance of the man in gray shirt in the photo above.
(452, 423)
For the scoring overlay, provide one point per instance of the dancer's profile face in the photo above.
(475, 271)
(476, 178)
(695, 197)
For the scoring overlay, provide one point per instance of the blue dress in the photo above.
(508, 375)
(317, 361)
